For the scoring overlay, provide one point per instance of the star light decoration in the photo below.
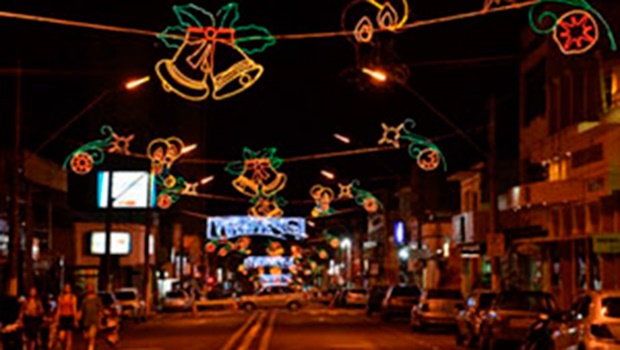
(424, 151)
(575, 31)
(196, 37)
(86, 157)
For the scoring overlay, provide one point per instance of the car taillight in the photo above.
(601, 331)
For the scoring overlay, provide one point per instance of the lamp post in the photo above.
(346, 245)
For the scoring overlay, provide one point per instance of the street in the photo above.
(278, 329)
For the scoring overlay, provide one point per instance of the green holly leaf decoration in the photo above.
(173, 36)
(253, 39)
(228, 15)
(191, 15)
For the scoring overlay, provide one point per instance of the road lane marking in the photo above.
(252, 333)
(266, 339)
(235, 337)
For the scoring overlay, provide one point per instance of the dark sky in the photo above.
(303, 97)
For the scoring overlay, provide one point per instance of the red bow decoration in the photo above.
(205, 40)
(259, 168)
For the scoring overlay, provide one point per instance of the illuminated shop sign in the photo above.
(399, 232)
(254, 262)
(236, 226)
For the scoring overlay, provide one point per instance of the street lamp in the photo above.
(135, 83)
(403, 253)
(327, 174)
(342, 138)
(346, 245)
(188, 149)
(206, 180)
(375, 74)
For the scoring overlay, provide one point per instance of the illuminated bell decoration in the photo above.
(322, 196)
(163, 153)
(275, 249)
(296, 252)
(384, 14)
(266, 208)
(211, 52)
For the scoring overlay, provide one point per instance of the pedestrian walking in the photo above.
(31, 318)
(66, 319)
(90, 314)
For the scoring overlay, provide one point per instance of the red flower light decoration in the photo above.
(82, 163)
(576, 32)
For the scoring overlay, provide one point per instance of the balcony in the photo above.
(470, 227)
(545, 193)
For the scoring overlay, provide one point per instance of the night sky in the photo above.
(307, 93)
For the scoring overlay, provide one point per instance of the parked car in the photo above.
(470, 317)
(353, 298)
(273, 297)
(398, 301)
(10, 334)
(511, 316)
(132, 305)
(593, 323)
(109, 302)
(177, 300)
(376, 295)
(437, 307)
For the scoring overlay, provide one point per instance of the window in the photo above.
(535, 95)
(587, 156)
(580, 218)
(611, 87)
(594, 216)
(557, 170)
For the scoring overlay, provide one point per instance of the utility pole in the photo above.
(492, 166)
(147, 234)
(105, 262)
(28, 273)
(16, 173)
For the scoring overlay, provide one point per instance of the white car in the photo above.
(355, 297)
(132, 305)
(177, 300)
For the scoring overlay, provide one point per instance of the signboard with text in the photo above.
(231, 227)
(607, 243)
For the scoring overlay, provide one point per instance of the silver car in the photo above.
(437, 307)
(273, 297)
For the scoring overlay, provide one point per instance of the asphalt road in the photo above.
(315, 329)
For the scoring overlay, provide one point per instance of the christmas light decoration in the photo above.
(232, 227)
(364, 17)
(576, 31)
(322, 196)
(163, 153)
(196, 37)
(258, 178)
(274, 248)
(345, 191)
(86, 157)
(424, 151)
(254, 262)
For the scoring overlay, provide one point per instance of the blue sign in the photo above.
(276, 280)
(399, 232)
(253, 262)
(236, 226)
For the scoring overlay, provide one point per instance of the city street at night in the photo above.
(279, 329)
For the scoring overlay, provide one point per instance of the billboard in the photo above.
(129, 189)
(120, 243)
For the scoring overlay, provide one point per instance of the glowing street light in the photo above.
(375, 74)
(327, 174)
(135, 83)
(206, 180)
(345, 244)
(403, 253)
(342, 138)
(188, 149)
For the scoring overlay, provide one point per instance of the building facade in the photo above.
(560, 222)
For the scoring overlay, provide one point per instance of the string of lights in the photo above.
(299, 36)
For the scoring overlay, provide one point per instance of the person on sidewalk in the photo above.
(31, 318)
(66, 316)
(91, 313)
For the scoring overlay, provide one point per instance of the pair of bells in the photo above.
(194, 63)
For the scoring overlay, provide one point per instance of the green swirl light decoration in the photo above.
(86, 157)
(365, 199)
(423, 150)
(581, 20)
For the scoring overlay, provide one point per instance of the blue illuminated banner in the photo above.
(235, 226)
(254, 262)
(276, 280)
